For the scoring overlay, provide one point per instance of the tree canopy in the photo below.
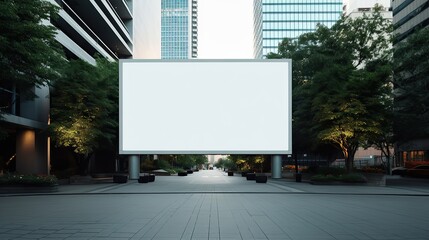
(190, 161)
(29, 54)
(84, 107)
(341, 79)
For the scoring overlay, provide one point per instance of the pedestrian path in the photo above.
(212, 205)
(216, 181)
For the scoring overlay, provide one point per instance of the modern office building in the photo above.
(355, 8)
(85, 28)
(88, 27)
(291, 18)
(179, 29)
(408, 16)
(257, 31)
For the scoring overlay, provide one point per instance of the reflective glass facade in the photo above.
(291, 18)
(178, 29)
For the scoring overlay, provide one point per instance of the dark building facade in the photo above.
(85, 28)
(409, 16)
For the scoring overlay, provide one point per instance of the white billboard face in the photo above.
(205, 107)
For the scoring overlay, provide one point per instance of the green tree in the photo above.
(411, 83)
(226, 163)
(341, 82)
(84, 108)
(248, 162)
(190, 161)
(220, 163)
(29, 54)
(201, 160)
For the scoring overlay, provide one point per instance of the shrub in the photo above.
(373, 169)
(324, 178)
(353, 178)
(331, 171)
(163, 164)
(174, 170)
(349, 178)
(30, 180)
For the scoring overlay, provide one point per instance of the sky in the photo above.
(225, 29)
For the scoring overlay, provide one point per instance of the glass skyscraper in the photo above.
(291, 18)
(178, 29)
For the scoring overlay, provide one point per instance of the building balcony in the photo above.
(100, 17)
(78, 38)
(122, 8)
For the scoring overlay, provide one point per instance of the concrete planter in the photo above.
(120, 178)
(23, 188)
(151, 177)
(261, 179)
(251, 176)
(143, 179)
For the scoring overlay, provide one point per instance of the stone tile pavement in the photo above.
(211, 205)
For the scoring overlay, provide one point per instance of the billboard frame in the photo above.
(268, 152)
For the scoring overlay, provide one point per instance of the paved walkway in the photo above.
(211, 205)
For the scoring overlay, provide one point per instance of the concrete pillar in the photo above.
(31, 150)
(134, 166)
(276, 166)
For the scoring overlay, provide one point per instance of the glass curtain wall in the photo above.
(291, 18)
(174, 29)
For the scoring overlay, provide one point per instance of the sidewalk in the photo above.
(216, 181)
(211, 205)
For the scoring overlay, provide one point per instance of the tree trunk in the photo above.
(83, 164)
(349, 155)
(349, 164)
(350, 158)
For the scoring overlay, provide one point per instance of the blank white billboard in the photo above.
(205, 107)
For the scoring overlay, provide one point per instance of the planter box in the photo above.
(261, 179)
(338, 183)
(120, 178)
(144, 179)
(251, 176)
(230, 173)
(182, 174)
(18, 188)
(151, 177)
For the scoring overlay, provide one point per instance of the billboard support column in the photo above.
(134, 166)
(276, 166)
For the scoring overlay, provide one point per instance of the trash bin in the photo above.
(298, 177)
